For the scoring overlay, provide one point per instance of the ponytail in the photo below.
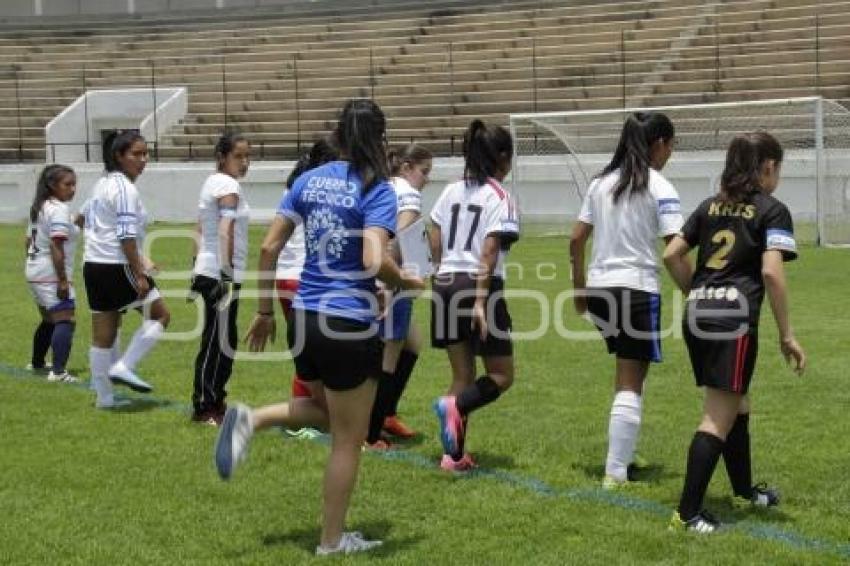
(487, 151)
(360, 135)
(632, 157)
(50, 175)
(744, 158)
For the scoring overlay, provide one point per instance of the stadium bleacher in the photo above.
(280, 78)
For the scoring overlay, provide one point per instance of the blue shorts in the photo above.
(397, 322)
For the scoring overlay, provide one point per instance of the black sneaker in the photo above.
(764, 496)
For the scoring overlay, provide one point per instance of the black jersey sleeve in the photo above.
(691, 230)
(779, 231)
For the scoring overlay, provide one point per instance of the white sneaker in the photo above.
(63, 377)
(120, 374)
(235, 434)
(349, 543)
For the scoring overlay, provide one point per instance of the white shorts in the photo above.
(45, 295)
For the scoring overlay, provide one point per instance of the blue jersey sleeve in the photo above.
(380, 208)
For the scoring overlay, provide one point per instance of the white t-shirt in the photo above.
(290, 262)
(54, 221)
(113, 213)
(408, 197)
(466, 216)
(207, 262)
(625, 234)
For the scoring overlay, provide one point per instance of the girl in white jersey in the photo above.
(628, 206)
(50, 267)
(116, 272)
(409, 167)
(475, 222)
(219, 266)
(290, 262)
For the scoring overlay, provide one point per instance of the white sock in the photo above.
(99, 361)
(143, 340)
(623, 431)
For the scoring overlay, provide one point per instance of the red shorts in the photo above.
(286, 289)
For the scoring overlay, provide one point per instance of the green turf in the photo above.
(83, 486)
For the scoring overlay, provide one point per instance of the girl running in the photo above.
(349, 214)
(409, 167)
(116, 272)
(223, 216)
(744, 235)
(475, 222)
(50, 268)
(627, 207)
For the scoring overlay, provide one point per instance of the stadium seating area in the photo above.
(280, 78)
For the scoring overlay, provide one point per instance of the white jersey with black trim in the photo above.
(467, 214)
(625, 234)
(54, 222)
(113, 213)
(290, 262)
(408, 197)
(207, 262)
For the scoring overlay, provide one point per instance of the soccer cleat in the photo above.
(231, 447)
(465, 464)
(63, 377)
(610, 483)
(120, 374)
(349, 543)
(639, 463)
(451, 425)
(702, 523)
(305, 433)
(395, 427)
(764, 496)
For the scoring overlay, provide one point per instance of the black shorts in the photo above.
(451, 315)
(722, 361)
(629, 321)
(339, 352)
(112, 287)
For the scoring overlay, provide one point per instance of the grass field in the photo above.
(84, 486)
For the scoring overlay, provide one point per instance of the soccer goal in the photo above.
(558, 153)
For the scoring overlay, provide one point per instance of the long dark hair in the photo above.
(50, 175)
(226, 144)
(117, 143)
(412, 153)
(322, 152)
(486, 151)
(744, 158)
(360, 136)
(640, 131)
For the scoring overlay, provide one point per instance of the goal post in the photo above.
(557, 154)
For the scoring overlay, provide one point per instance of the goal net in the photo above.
(558, 153)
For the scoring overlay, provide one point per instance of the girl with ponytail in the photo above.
(628, 206)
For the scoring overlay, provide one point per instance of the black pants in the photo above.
(218, 342)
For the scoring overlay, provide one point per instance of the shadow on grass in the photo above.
(307, 539)
(654, 473)
(734, 510)
(140, 405)
(494, 461)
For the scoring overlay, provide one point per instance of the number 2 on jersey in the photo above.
(474, 209)
(726, 239)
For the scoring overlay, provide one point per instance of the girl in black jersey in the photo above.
(743, 235)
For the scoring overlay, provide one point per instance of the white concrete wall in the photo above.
(170, 190)
(109, 109)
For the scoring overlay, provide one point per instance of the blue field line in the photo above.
(760, 531)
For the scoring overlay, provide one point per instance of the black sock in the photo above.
(702, 458)
(736, 456)
(483, 392)
(379, 407)
(41, 343)
(403, 369)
